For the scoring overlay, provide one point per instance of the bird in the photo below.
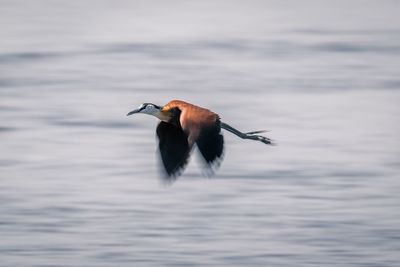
(183, 126)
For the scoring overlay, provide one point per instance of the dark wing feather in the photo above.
(211, 144)
(174, 148)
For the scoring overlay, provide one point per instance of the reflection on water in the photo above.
(79, 180)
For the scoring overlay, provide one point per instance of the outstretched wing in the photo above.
(174, 148)
(211, 144)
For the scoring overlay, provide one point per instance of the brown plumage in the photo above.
(193, 118)
(182, 126)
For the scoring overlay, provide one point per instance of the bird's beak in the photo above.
(133, 112)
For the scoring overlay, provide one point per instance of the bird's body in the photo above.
(182, 126)
(193, 118)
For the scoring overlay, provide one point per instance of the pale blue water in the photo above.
(79, 180)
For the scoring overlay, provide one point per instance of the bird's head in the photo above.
(152, 109)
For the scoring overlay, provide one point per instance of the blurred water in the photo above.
(79, 180)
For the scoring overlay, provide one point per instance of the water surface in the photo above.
(80, 181)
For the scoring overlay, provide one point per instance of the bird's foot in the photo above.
(263, 139)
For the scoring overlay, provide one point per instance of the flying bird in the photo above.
(182, 126)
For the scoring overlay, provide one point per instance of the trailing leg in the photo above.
(249, 135)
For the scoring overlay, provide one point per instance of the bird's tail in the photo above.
(249, 135)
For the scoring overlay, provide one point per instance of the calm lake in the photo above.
(79, 181)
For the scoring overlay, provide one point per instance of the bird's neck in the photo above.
(162, 115)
